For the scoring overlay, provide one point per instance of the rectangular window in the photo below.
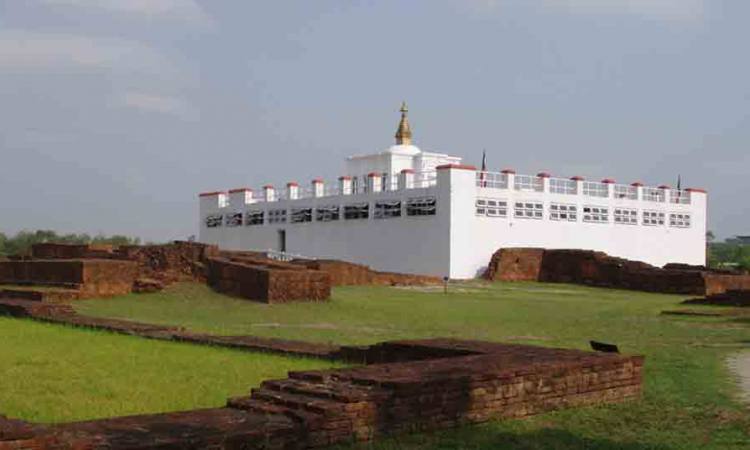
(423, 206)
(388, 209)
(327, 213)
(254, 217)
(595, 214)
(681, 196)
(357, 211)
(214, 220)
(491, 207)
(300, 215)
(277, 216)
(593, 189)
(626, 192)
(653, 218)
(526, 210)
(562, 186)
(679, 220)
(233, 219)
(566, 213)
(626, 216)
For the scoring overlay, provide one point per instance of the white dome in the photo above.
(410, 150)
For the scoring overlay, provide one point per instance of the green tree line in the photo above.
(21, 242)
(729, 254)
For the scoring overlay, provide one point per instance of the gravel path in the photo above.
(740, 364)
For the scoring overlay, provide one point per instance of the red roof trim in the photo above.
(344, 177)
(702, 191)
(374, 174)
(456, 166)
(292, 184)
(318, 180)
(544, 175)
(665, 186)
(577, 178)
(508, 171)
(636, 184)
(268, 186)
(210, 194)
(234, 191)
(407, 171)
(608, 181)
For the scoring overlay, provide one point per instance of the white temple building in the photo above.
(413, 211)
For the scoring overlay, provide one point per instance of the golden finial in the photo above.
(403, 134)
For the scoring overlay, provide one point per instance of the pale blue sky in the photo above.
(115, 114)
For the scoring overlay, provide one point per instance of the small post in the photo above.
(445, 285)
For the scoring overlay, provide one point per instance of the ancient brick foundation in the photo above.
(599, 269)
(83, 278)
(735, 298)
(435, 384)
(349, 274)
(266, 280)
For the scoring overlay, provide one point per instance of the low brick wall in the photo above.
(447, 383)
(599, 269)
(735, 298)
(349, 274)
(90, 277)
(267, 281)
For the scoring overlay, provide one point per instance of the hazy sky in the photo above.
(114, 114)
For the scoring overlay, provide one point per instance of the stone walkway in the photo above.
(740, 364)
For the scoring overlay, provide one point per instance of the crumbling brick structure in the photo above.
(599, 269)
(85, 278)
(734, 298)
(349, 274)
(413, 386)
(266, 280)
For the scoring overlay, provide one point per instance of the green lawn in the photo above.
(54, 373)
(689, 396)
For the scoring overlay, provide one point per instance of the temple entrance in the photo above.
(282, 241)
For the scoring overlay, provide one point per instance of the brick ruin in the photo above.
(735, 298)
(398, 387)
(599, 269)
(61, 272)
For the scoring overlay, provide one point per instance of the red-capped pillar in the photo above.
(374, 182)
(269, 193)
(544, 177)
(292, 190)
(318, 188)
(345, 185)
(406, 179)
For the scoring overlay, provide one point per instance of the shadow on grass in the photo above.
(482, 438)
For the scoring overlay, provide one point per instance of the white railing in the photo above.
(653, 194)
(563, 186)
(623, 191)
(595, 189)
(492, 180)
(681, 197)
(528, 183)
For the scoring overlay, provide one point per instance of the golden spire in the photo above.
(403, 134)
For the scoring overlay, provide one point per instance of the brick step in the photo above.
(39, 294)
(250, 404)
(317, 405)
(31, 308)
(340, 391)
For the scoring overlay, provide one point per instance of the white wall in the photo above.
(404, 244)
(457, 242)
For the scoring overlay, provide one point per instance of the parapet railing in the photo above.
(507, 180)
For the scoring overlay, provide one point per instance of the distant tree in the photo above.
(21, 242)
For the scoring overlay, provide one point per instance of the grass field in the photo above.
(53, 373)
(689, 395)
